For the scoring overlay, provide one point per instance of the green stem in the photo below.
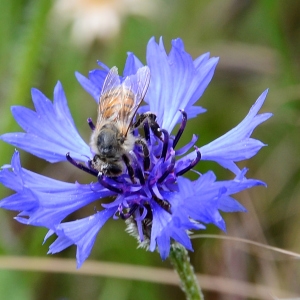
(181, 262)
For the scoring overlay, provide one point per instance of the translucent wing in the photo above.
(120, 101)
(107, 102)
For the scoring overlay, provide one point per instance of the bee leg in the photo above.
(146, 153)
(151, 118)
(142, 118)
(147, 132)
(129, 167)
(181, 129)
(154, 126)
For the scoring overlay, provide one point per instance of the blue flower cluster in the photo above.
(162, 205)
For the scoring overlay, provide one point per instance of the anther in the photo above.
(192, 164)
(165, 143)
(181, 128)
(138, 171)
(170, 169)
(162, 203)
(102, 180)
(91, 124)
(80, 166)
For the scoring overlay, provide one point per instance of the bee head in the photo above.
(108, 143)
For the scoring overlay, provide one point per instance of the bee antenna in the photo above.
(91, 124)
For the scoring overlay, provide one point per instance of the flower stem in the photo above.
(181, 262)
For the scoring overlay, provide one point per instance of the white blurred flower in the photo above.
(98, 19)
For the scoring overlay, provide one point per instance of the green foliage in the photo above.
(258, 45)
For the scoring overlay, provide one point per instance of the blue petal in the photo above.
(82, 233)
(176, 82)
(204, 197)
(194, 111)
(132, 65)
(163, 244)
(161, 218)
(229, 204)
(93, 84)
(50, 132)
(60, 244)
(236, 144)
(44, 201)
(167, 226)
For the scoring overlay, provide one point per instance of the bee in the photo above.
(112, 138)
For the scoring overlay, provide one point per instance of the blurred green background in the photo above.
(258, 45)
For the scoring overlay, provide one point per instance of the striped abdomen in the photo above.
(117, 104)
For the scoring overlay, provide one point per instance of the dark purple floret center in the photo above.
(161, 175)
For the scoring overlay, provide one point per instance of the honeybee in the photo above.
(112, 138)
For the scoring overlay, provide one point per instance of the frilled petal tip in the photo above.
(165, 95)
(81, 233)
(93, 84)
(196, 204)
(50, 132)
(236, 144)
(166, 227)
(132, 65)
(12, 178)
(43, 201)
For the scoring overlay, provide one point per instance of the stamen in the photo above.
(80, 166)
(103, 181)
(138, 171)
(162, 203)
(130, 213)
(166, 143)
(192, 164)
(170, 169)
(129, 168)
(91, 124)
(188, 146)
(181, 129)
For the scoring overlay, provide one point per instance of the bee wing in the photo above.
(111, 90)
(120, 101)
(136, 85)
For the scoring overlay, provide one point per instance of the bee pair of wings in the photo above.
(119, 101)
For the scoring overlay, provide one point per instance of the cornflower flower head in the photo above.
(159, 204)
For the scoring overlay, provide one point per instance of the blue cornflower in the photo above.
(161, 205)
